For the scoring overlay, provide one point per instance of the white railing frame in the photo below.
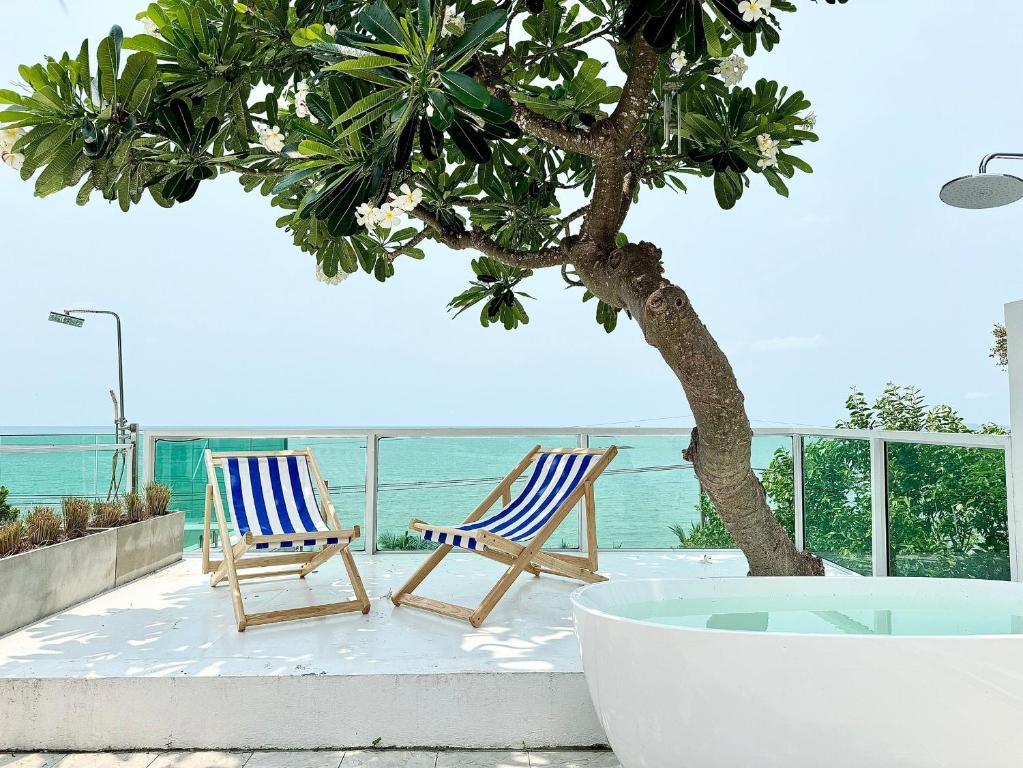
(878, 441)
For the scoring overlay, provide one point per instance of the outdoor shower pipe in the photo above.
(999, 156)
(122, 422)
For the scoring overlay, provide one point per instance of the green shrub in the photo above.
(403, 542)
(7, 512)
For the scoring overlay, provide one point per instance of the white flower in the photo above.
(731, 70)
(9, 137)
(272, 139)
(150, 26)
(367, 215)
(768, 151)
(678, 60)
(301, 108)
(302, 86)
(330, 29)
(809, 120)
(754, 10)
(453, 24)
(12, 159)
(408, 199)
(390, 216)
(340, 277)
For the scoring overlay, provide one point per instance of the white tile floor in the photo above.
(315, 759)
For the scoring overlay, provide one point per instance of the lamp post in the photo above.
(67, 317)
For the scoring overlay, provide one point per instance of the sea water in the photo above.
(837, 615)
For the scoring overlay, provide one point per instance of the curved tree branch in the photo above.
(477, 241)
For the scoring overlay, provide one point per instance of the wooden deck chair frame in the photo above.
(259, 566)
(518, 557)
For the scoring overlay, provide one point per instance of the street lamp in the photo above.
(67, 317)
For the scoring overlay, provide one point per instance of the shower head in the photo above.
(984, 190)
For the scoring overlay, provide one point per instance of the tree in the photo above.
(474, 121)
(946, 505)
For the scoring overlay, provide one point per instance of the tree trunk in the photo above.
(632, 278)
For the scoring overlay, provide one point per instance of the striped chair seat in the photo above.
(555, 476)
(273, 495)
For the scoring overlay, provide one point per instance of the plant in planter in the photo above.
(76, 516)
(7, 512)
(135, 507)
(12, 537)
(107, 514)
(157, 499)
(44, 526)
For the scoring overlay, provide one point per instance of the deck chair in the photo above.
(515, 535)
(271, 501)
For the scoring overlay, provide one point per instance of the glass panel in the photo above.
(442, 480)
(46, 478)
(342, 463)
(650, 498)
(179, 464)
(947, 512)
(836, 500)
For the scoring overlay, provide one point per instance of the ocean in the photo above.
(647, 488)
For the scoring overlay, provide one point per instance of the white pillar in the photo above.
(1014, 456)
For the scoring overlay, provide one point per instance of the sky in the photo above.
(860, 277)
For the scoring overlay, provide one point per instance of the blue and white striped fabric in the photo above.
(555, 476)
(269, 495)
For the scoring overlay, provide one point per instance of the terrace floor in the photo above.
(158, 663)
(317, 759)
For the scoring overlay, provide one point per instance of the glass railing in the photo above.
(42, 468)
(837, 501)
(887, 503)
(947, 512)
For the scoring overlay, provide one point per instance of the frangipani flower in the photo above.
(731, 70)
(453, 24)
(754, 10)
(408, 199)
(272, 139)
(149, 26)
(13, 159)
(390, 216)
(340, 277)
(330, 29)
(809, 120)
(768, 151)
(367, 215)
(678, 60)
(9, 137)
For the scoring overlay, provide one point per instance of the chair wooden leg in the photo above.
(356, 578)
(221, 573)
(501, 587)
(318, 558)
(206, 530)
(424, 570)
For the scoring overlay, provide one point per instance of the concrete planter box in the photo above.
(41, 582)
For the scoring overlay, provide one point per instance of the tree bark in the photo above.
(632, 278)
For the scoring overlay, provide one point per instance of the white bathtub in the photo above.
(670, 696)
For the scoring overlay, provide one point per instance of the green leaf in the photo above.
(107, 56)
(365, 62)
(475, 37)
(466, 90)
(496, 111)
(443, 112)
(306, 36)
(381, 23)
(151, 44)
(365, 104)
(57, 174)
(139, 69)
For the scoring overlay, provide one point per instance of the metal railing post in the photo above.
(879, 506)
(1014, 450)
(369, 532)
(797, 492)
